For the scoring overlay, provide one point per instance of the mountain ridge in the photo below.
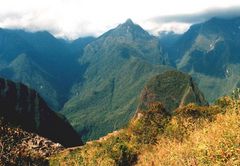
(209, 51)
(116, 62)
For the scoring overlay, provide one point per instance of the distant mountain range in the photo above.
(96, 82)
(210, 52)
(42, 62)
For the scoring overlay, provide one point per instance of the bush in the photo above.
(150, 124)
(189, 118)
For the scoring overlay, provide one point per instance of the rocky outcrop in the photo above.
(18, 147)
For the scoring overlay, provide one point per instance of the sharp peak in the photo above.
(129, 24)
(129, 21)
(128, 27)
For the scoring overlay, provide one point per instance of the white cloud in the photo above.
(73, 18)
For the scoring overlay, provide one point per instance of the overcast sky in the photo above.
(74, 18)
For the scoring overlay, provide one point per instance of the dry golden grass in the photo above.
(214, 143)
(195, 135)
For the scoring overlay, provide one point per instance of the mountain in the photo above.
(128, 39)
(95, 82)
(62, 71)
(173, 89)
(77, 46)
(209, 51)
(168, 38)
(154, 120)
(193, 135)
(42, 62)
(118, 63)
(23, 107)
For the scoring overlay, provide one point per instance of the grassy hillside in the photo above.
(109, 100)
(213, 140)
(194, 135)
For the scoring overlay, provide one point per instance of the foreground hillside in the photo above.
(195, 138)
(18, 147)
(194, 135)
(158, 130)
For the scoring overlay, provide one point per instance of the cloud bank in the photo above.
(201, 16)
(181, 22)
(74, 18)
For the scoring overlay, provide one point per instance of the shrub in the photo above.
(151, 124)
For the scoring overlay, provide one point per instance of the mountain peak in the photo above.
(129, 22)
(130, 30)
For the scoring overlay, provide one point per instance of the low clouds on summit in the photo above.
(181, 22)
(74, 18)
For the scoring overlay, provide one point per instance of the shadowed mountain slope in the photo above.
(23, 107)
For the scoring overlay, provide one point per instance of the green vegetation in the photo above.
(110, 100)
(147, 125)
(236, 94)
(194, 135)
(119, 63)
(209, 52)
(43, 62)
(215, 86)
(173, 89)
(210, 137)
(96, 82)
(120, 147)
